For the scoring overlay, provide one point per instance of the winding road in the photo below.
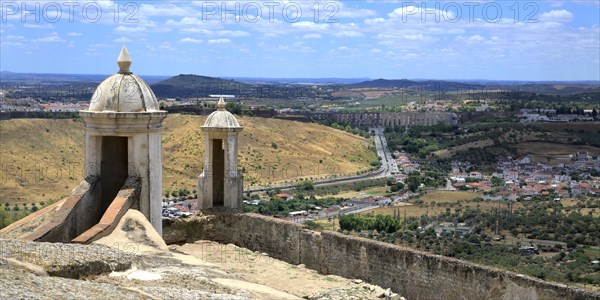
(388, 168)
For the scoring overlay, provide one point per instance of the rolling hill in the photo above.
(42, 159)
(186, 86)
(427, 85)
(558, 88)
(196, 86)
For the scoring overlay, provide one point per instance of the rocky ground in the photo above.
(134, 263)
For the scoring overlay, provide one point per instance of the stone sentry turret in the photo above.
(220, 184)
(123, 138)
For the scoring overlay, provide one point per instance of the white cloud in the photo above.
(38, 26)
(355, 13)
(555, 3)
(190, 40)
(348, 33)
(421, 14)
(185, 21)
(312, 36)
(164, 10)
(560, 3)
(141, 27)
(122, 40)
(198, 30)
(193, 22)
(312, 26)
(414, 37)
(473, 40)
(233, 33)
(307, 49)
(13, 40)
(219, 41)
(166, 46)
(404, 11)
(374, 21)
(74, 34)
(126, 29)
(52, 38)
(562, 16)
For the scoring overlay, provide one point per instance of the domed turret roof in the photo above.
(123, 92)
(221, 118)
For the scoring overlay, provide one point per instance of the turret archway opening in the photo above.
(113, 170)
(219, 173)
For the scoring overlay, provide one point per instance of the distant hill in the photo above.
(188, 85)
(553, 88)
(43, 158)
(426, 85)
(34, 78)
(197, 86)
(301, 81)
(385, 83)
(566, 88)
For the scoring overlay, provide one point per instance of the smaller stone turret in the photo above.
(220, 184)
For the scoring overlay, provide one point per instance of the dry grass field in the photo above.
(442, 200)
(374, 191)
(541, 142)
(446, 153)
(569, 202)
(42, 159)
(548, 152)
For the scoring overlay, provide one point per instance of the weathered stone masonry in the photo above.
(413, 274)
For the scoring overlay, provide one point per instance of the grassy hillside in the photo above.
(542, 142)
(43, 159)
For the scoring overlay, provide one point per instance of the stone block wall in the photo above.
(411, 273)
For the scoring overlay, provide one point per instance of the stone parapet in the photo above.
(411, 273)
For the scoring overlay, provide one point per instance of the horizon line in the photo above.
(327, 77)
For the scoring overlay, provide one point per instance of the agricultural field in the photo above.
(432, 203)
(374, 191)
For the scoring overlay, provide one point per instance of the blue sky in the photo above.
(498, 40)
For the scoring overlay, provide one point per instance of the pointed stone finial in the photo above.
(221, 104)
(124, 61)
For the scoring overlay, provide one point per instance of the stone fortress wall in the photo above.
(411, 273)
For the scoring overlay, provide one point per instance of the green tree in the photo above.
(413, 183)
(397, 187)
(234, 108)
(306, 185)
(497, 181)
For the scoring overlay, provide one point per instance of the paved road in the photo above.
(384, 152)
(388, 167)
